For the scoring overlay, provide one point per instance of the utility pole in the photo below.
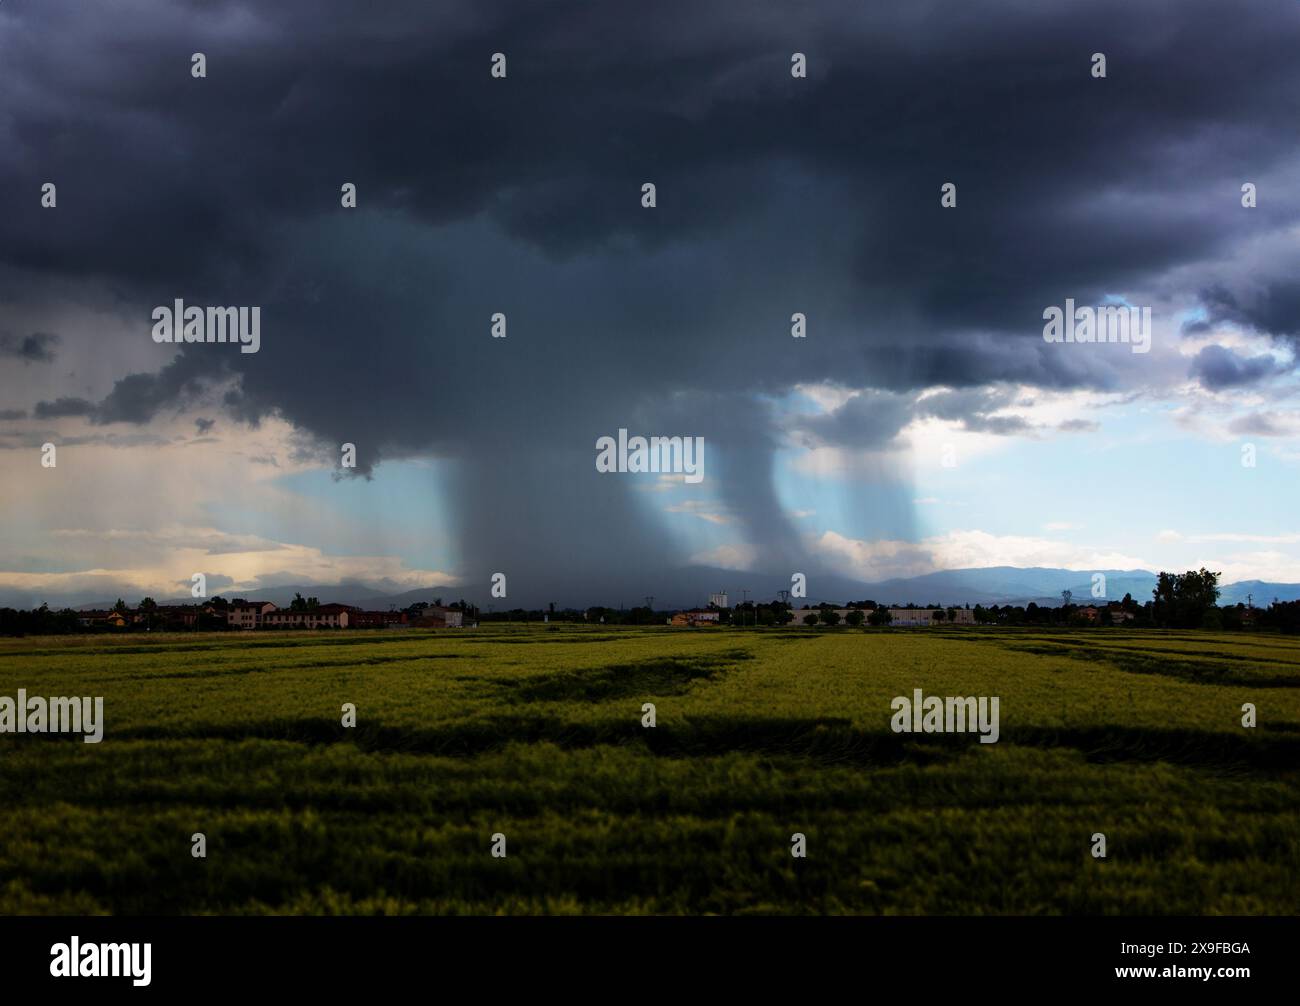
(742, 607)
(650, 602)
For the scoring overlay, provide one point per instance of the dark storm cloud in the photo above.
(869, 420)
(64, 407)
(35, 348)
(1217, 367)
(775, 195)
(872, 419)
(139, 397)
(1271, 307)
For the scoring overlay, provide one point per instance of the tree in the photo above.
(830, 617)
(300, 603)
(937, 615)
(1186, 600)
(810, 618)
(855, 618)
(1281, 615)
(880, 616)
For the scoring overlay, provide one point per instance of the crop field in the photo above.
(537, 734)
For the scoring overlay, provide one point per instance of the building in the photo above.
(696, 616)
(440, 618)
(101, 619)
(175, 615)
(377, 620)
(325, 616)
(926, 616)
(247, 614)
(717, 600)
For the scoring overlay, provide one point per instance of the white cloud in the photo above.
(1277, 567)
(1261, 539)
(150, 567)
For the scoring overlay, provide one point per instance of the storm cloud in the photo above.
(35, 348)
(775, 195)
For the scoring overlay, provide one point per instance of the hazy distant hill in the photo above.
(1012, 585)
(1262, 592)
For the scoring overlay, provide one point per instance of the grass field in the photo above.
(536, 733)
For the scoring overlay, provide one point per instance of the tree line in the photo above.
(1179, 601)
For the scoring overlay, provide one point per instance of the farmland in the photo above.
(536, 733)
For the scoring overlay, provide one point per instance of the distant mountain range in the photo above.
(692, 586)
(1043, 585)
(1011, 585)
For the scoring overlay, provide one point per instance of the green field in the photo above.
(536, 733)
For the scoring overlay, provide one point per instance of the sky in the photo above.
(922, 423)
